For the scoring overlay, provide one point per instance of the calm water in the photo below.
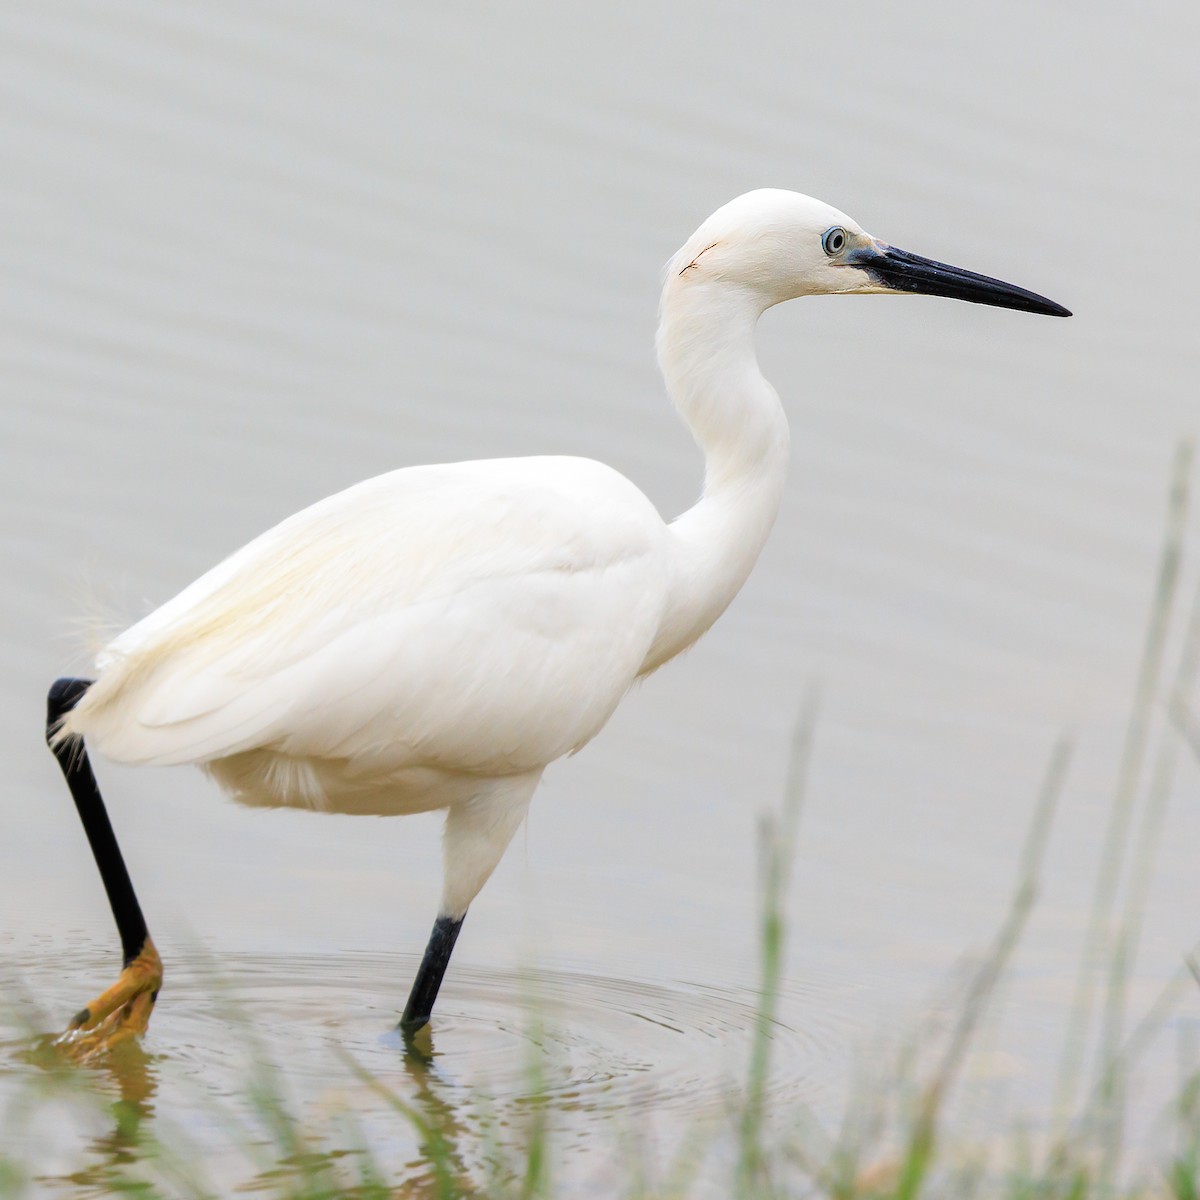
(252, 254)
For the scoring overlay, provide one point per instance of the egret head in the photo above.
(778, 245)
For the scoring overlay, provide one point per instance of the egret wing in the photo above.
(464, 615)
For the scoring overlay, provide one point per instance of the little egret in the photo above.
(434, 637)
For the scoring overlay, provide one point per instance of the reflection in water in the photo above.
(298, 1056)
(132, 1073)
(122, 1084)
(438, 1122)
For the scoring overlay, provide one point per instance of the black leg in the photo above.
(429, 977)
(73, 759)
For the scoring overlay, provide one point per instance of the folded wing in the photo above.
(483, 616)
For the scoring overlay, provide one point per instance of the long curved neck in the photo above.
(706, 352)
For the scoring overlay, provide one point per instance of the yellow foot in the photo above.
(118, 1014)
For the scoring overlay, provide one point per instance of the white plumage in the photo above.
(478, 619)
(434, 637)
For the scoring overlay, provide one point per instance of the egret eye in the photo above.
(833, 241)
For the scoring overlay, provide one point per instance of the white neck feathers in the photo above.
(706, 353)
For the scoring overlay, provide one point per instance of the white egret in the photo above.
(434, 637)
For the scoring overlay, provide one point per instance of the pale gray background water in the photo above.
(252, 253)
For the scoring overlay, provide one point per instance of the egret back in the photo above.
(481, 617)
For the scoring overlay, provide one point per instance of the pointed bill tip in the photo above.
(900, 271)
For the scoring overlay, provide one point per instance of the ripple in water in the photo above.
(590, 1044)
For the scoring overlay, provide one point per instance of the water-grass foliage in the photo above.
(897, 1137)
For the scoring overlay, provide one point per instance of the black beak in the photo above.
(904, 272)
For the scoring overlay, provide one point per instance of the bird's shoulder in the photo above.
(574, 487)
(418, 532)
(502, 514)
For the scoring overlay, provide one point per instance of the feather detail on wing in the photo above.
(477, 616)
